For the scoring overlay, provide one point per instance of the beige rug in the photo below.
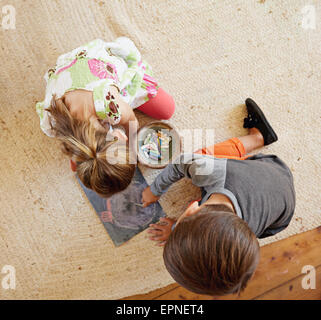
(210, 55)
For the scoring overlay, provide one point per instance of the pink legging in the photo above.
(160, 107)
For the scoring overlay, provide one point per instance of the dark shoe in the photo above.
(256, 119)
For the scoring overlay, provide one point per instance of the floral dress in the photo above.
(95, 67)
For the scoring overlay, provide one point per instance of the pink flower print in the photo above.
(66, 67)
(97, 68)
(112, 73)
(151, 92)
(109, 68)
(149, 80)
(123, 92)
(102, 70)
(140, 63)
(151, 85)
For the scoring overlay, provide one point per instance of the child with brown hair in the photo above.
(212, 248)
(91, 89)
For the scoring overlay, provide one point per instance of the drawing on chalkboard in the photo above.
(121, 214)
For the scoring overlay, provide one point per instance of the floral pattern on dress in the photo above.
(51, 71)
(81, 54)
(96, 66)
(102, 69)
(58, 86)
(123, 92)
(67, 67)
(150, 85)
(112, 108)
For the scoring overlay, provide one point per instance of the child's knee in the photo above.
(170, 109)
(160, 107)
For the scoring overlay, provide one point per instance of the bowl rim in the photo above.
(154, 123)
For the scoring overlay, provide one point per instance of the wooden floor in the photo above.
(278, 276)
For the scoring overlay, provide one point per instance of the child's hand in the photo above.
(148, 197)
(161, 231)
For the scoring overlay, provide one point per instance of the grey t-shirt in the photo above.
(260, 187)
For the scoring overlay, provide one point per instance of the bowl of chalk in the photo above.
(159, 144)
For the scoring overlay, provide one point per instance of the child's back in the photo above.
(260, 188)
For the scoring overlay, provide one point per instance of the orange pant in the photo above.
(229, 149)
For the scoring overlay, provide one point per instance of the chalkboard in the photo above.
(120, 215)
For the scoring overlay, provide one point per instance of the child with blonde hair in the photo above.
(91, 89)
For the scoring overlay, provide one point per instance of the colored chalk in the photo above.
(155, 145)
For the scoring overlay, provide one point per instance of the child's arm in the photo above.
(185, 166)
(127, 113)
(125, 48)
(172, 173)
(148, 197)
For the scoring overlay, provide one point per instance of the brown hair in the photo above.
(102, 165)
(212, 252)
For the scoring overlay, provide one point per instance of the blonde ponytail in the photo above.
(97, 166)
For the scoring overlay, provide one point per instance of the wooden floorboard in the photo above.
(278, 275)
(293, 290)
(154, 294)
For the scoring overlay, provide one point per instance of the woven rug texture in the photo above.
(210, 56)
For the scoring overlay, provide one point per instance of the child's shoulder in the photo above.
(85, 49)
